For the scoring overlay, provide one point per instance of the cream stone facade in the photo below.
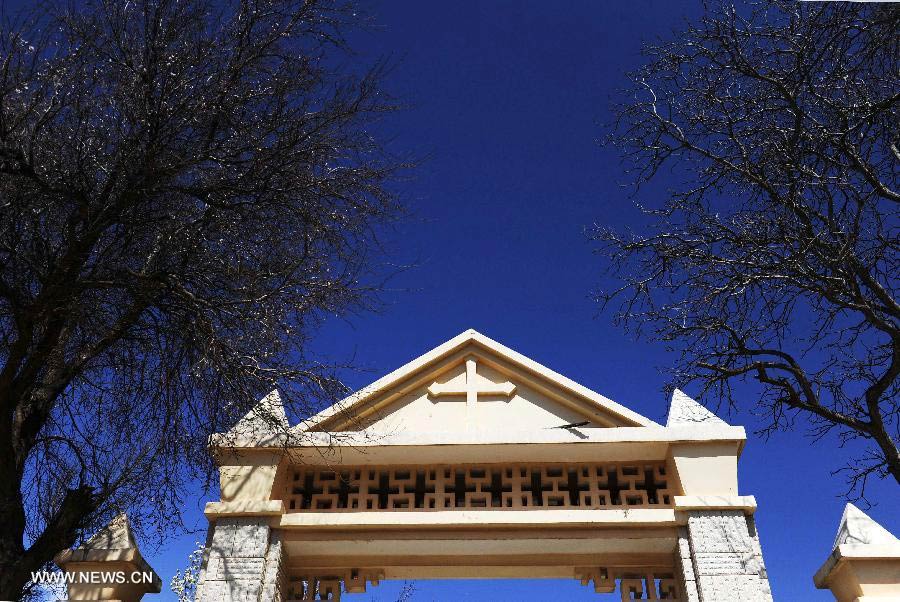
(473, 461)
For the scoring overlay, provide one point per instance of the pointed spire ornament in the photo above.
(864, 563)
(683, 410)
(857, 527)
(265, 420)
(111, 549)
(117, 535)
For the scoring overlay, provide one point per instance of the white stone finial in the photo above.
(265, 419)
(685, 410)
(857, 527)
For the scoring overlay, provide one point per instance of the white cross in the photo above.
(471, 389)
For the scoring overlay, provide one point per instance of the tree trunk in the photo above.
(12, 551)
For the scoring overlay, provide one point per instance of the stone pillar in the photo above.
(720, 558)
(243, 562)
(244, 552)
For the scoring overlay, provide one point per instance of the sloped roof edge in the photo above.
(384, 383)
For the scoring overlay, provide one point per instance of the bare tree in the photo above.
(186, 186)
(406, 592)
(775, 257)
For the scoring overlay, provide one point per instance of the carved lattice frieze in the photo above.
(488, 486)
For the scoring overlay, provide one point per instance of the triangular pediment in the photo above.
(473, 383)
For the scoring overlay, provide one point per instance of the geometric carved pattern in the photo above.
(484, 486)
(327, 586)
(632, 586)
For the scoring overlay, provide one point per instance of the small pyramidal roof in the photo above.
(267, 419)
(112, 545)
(115, 542)
(117, 535)
(857, 527)
(685, 410)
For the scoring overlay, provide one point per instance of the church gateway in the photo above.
(473, 461)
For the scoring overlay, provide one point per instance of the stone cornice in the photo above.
(366, 440)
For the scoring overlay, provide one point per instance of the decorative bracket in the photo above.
(632, 586)
(603, 582)
(326, 585)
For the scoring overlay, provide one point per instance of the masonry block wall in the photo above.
(244, 562)
(720, 558)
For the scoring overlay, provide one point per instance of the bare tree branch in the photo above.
(186, 188)
(776, 259)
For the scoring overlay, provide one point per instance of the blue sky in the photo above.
(506, 99)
